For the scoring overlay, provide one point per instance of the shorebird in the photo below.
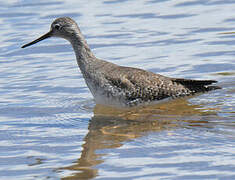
(121, 86)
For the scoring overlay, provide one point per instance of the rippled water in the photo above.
(50, 127)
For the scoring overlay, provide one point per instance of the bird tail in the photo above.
(197, 85)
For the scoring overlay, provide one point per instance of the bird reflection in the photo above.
(109, 128)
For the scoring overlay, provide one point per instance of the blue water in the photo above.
(50, 127)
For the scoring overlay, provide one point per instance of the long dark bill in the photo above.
(45, 36)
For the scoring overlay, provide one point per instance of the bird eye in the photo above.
(57, 26)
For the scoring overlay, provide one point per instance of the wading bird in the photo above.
(115, 85)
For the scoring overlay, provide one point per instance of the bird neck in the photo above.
(82, 51)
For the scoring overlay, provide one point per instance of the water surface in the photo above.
(50, 127)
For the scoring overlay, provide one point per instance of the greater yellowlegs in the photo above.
(115, 85)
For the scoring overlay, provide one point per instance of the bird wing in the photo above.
(142, 85)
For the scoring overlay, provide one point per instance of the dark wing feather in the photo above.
(144, 86)
(197, 85)
(140, 86)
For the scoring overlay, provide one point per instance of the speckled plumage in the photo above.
(116, 85)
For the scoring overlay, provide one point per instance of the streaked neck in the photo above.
(82, 50)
